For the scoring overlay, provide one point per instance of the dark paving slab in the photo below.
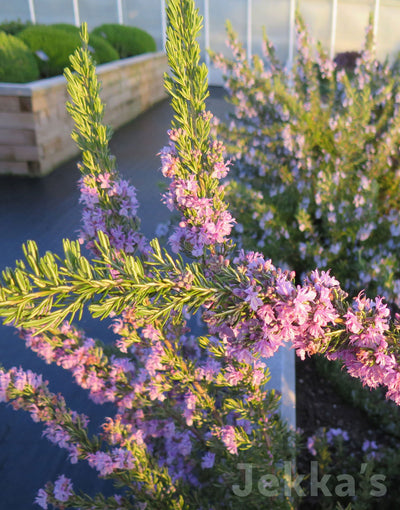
(47, 211)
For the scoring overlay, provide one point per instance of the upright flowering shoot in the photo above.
(193, 159)
(186, 411)
(110, 203)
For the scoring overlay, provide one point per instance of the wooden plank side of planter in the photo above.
(56, 153)
(54, 126)
(122, 91)
(24, 120)
(47, 100)
(57, 144)
(36, 113)
(17, 136)
(19, 153)
(10, 104)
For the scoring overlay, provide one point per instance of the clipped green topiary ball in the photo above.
(52, 47)
(72, 29)
(128, 41)
(17, 63)
(102, 50)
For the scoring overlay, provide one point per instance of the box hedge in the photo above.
(17, 63)
(126, 40)
(102, 50)
(53, 46)
(42, 51)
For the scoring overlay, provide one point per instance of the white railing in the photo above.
(75, 5)
(339, 24)
(32, 11)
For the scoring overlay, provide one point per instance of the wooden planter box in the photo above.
(35, 128)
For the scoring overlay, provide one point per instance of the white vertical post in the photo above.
(32, 11)
(76, 12)
(292, 13)
(249, 30)
(207, 32)
(333, 29)
(163, 24)
(120, 12)
(376, 19)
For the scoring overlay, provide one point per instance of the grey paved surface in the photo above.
(47, 211)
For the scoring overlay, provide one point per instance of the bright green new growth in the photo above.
(188, 85)
(60, 289)
(87, 112)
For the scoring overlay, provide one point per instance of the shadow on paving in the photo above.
(47, 210)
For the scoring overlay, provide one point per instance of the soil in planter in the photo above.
(319, 404)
